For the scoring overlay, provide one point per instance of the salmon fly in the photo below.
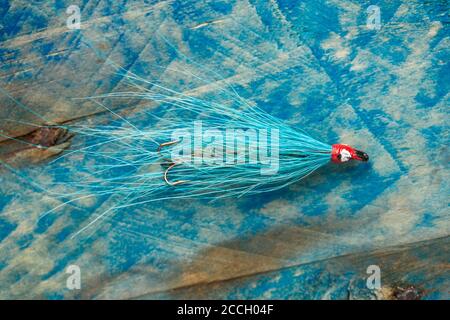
(188, 147)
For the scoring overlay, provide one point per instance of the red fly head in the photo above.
(342, 153)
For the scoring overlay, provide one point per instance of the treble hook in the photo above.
(171, 164)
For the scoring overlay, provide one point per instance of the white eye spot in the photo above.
(345, 155)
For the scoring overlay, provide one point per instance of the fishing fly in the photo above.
(184, 148)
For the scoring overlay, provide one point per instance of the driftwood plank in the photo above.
(314, 64)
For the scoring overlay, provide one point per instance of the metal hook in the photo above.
(166, 144)
(175, 183)
(171, 164)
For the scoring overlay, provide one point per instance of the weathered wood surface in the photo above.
(312, 63)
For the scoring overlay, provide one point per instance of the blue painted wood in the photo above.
(314, 64)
